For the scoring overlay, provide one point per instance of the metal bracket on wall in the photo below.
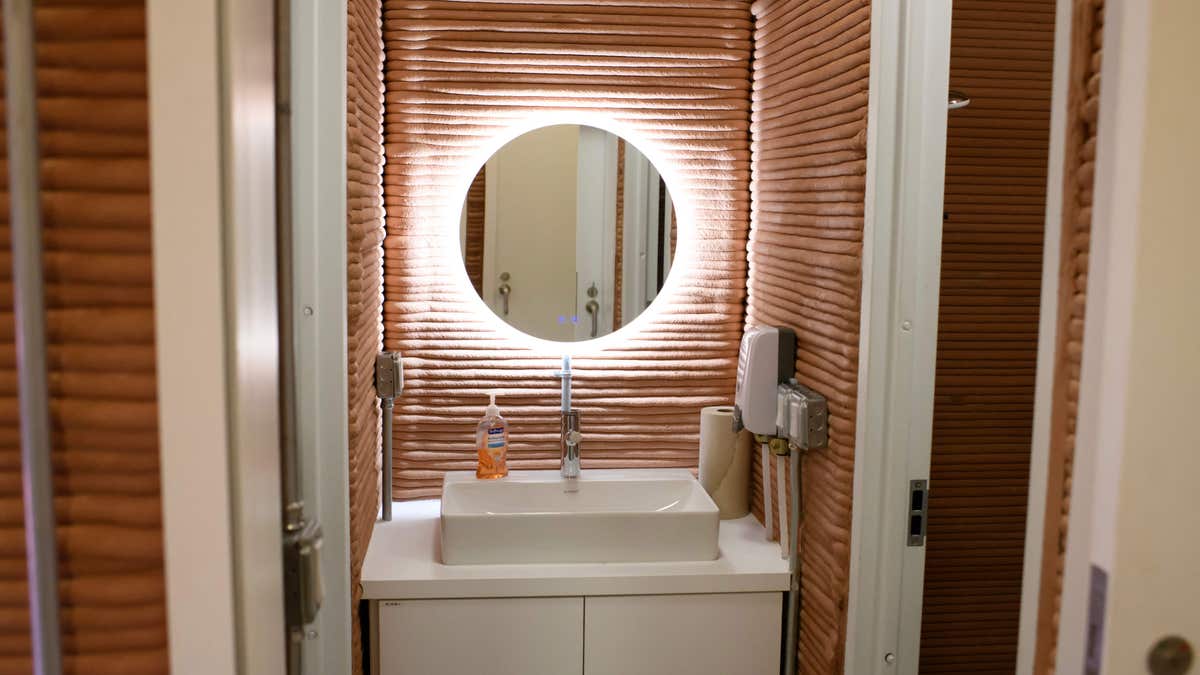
(918, 507)
(389, 383)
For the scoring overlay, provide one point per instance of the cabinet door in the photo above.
(493, 636)
(717, 634)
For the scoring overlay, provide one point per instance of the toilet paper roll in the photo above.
(725, 461)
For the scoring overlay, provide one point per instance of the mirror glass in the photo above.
(568, 232)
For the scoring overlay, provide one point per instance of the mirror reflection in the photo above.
(568, 232)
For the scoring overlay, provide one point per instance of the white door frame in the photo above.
(1039, 455)
(1108, 325)
(595, 227)
(318, 91)
(491, 206)
(212, 128)
(633, 253)
(668, 254)
(650, 224)
(906, 146)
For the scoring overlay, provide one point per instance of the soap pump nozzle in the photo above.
(492, 410)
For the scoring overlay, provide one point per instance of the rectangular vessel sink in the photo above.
(635, 515)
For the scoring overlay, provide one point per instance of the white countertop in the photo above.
(404, 561)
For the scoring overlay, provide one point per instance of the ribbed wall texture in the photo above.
(1083, 103)
(995, 203)
(809, 148)
(473, 251)
(461, 77)
(100, 327)
(364, 236)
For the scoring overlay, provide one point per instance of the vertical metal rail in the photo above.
(389, 383)
(791, 645)
(385, 473)
(29, 309)
(292, 490)
(291, 487)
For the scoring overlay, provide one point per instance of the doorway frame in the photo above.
(595, 228)
(1043, 399)
(906, 147)
(635, 246)
(1108, 328)
(319, 313)
(212, 143)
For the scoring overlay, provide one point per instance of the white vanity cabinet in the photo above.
(711, 634)
(693, 634)
(700, 617)
(481, 636)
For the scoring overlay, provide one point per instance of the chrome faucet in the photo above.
(569, 444)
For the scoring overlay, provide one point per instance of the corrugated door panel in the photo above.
(811, 62)
(1083, 104)
(364, 145)
(995, 201)
(100, 315)
(463, 74)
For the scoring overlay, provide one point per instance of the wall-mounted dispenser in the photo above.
(766, 359)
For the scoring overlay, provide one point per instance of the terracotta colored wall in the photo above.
(808, 190)
(1082, 107)
(473, 253)
(100, 329)
(465, 74)
(364, 145)
(995, 203)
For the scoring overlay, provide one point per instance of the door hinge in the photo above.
(302, 568)
(918, 508)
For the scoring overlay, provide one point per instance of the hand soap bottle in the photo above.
(491, 441)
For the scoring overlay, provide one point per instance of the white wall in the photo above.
(1138, 441)
(1154, 589)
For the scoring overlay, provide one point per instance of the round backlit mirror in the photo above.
(568, 232)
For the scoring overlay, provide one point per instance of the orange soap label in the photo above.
(491, 461)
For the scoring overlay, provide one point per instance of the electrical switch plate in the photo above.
(389, 374)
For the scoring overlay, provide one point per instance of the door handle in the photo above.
(504, 290)
(593, 308)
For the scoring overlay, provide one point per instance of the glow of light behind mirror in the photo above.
(679, 190)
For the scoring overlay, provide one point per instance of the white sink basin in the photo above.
(636, 515)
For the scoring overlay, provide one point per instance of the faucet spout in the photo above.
(569, 441)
